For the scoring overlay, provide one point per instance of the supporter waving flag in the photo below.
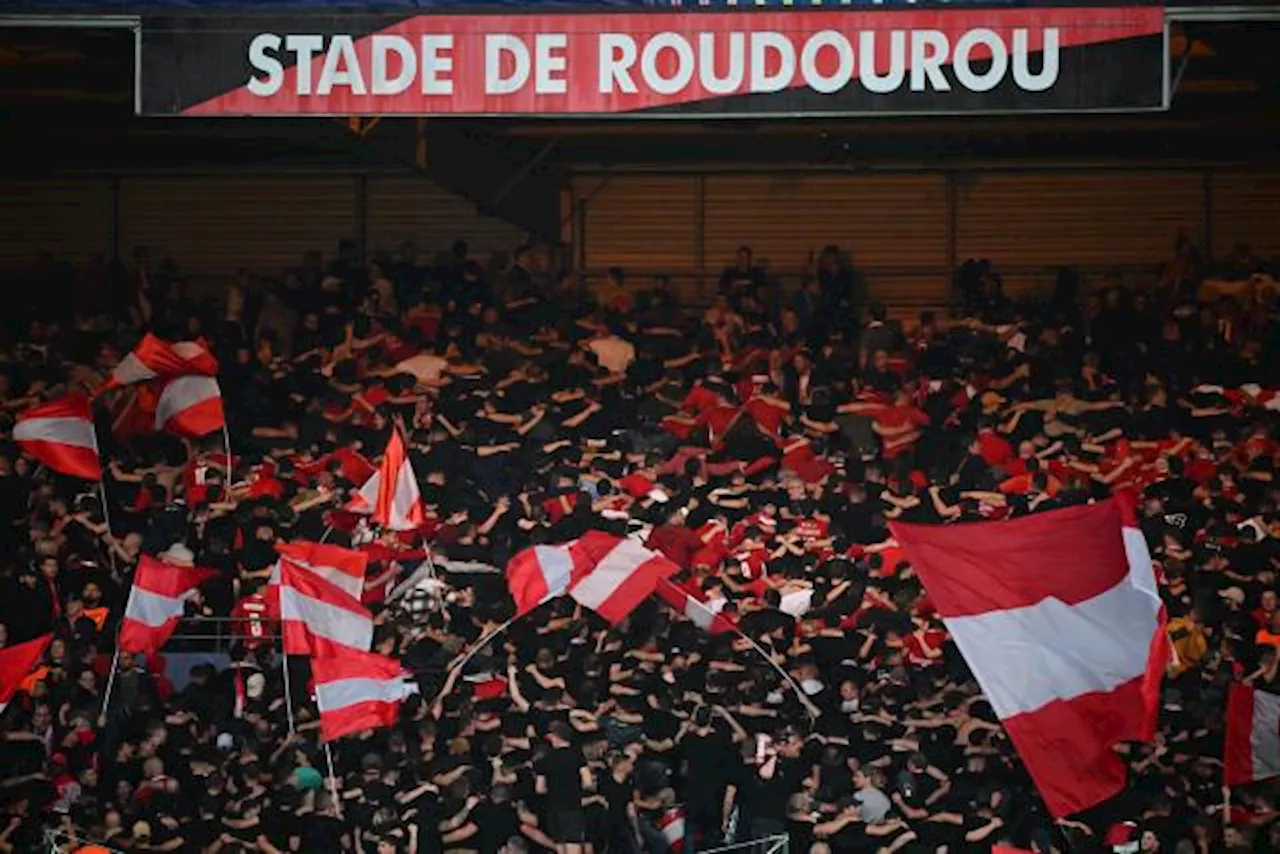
(358, 691)
(1253, 736)
(16, 662)
(1058, 616)
(320, 618)
(610, 575)
(60, 435)
(391, 497)
(156, 603)
(154, 359)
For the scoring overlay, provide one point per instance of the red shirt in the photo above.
(994, 449)
(676, 542)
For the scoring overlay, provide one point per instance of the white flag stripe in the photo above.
(1264, 738)
(557, 569)
(152, 609)
(404, 499)
(345, 582)
(369, 493)
(183, 393)
(64, 431)
(610, 573)
(1098, 645)
(326, 621)
(132, 370)
(332, 696)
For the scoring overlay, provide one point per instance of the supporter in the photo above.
(761, 447)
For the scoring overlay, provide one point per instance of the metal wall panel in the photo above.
(70, 220)
(884, 221)
(406, 208)
(216, 225)
(1246, 209)
(1097, 218)
(645, 223)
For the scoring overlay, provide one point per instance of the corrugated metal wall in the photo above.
(889, 220)
(1094, 218)
(400, 209)
(641, 221)
(216, 225)
(73, 220)
(1245, 208)
(907, 229)
(212, 225)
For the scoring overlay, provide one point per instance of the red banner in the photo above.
(608, 64)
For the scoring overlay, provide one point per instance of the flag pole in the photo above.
(333, 779)
(288, 692)
(106, 517)
(482, 643)
(1226, 807)
(226, 445)
(111, 682)
(800, 695)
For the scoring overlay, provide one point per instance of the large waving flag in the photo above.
(155, 359)
(610, 575)
(190, 406)
(343, 568)
(1058, 616)
(156, 603)
(358, 691)
(320, 618)
(1253, 735)
(60, 435)
(391, 496)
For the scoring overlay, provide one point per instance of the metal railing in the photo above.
(778, 844)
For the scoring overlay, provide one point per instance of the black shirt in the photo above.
(561, 769)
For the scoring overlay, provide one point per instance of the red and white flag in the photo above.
(16, 663)
(695, 609)
(155, 359)
(671, 824)
(1058, 616)
(60, 435)
(343, 568)
(358, 691)
(156, 603)
(190, 406)
(540, 574)
(610, 575)
(1253, 735)
(320, 618)
(391, 495)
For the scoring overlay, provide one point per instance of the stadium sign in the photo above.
(661, 65)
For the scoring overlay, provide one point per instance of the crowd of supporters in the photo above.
(762, 443)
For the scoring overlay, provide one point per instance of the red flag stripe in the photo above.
(16, 662)
(311, 607)
(60, 435)
(1028, 563)
(1252, 750)
(190, 406)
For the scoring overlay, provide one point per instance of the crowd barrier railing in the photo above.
(777, 844)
